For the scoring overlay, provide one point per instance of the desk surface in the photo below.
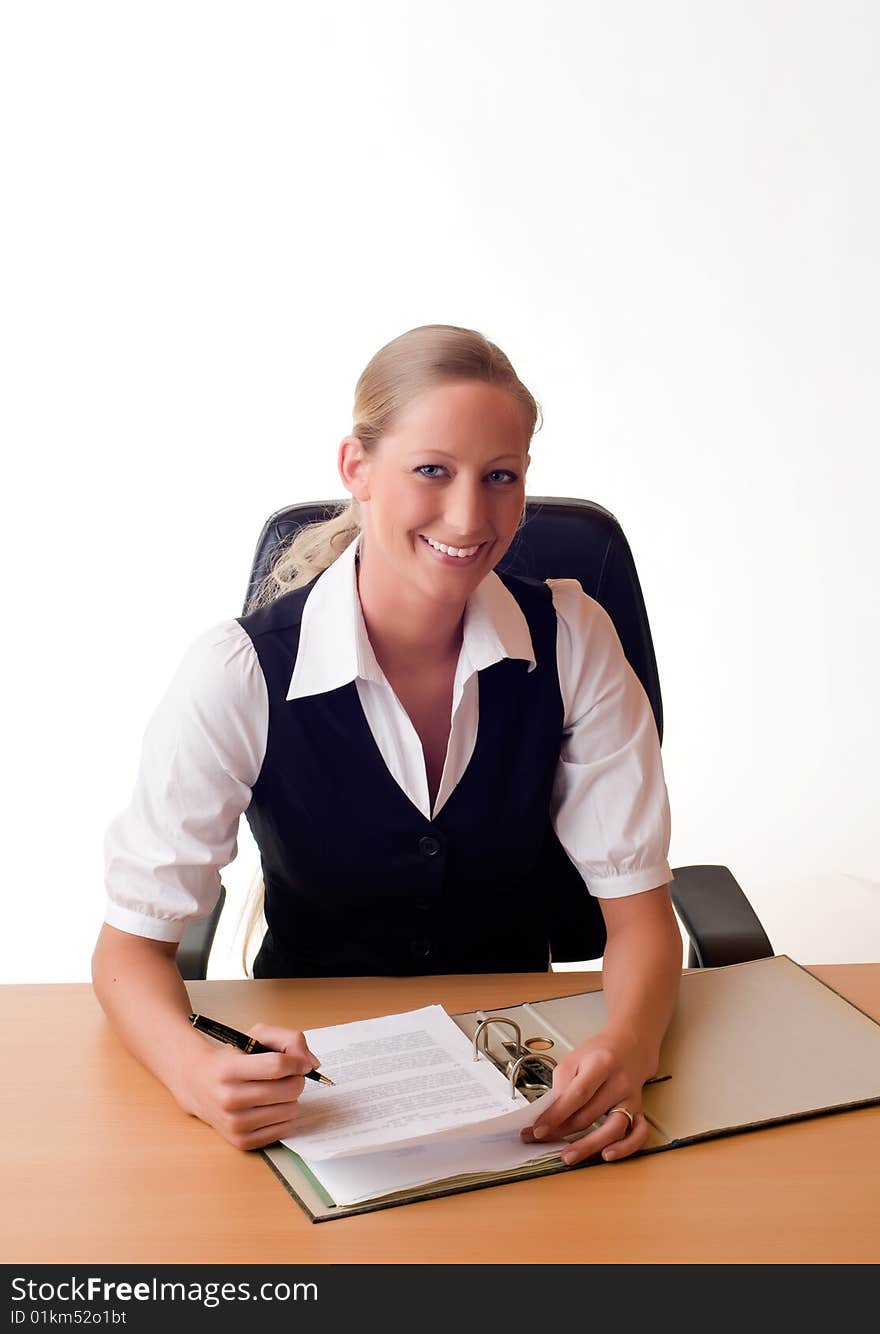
(100, 1165)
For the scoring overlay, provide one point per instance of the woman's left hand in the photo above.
(603, 1073)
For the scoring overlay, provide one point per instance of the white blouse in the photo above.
(204, 747)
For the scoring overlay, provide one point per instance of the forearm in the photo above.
(641, 974)
(143, 995)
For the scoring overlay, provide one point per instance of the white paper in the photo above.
(367, 1176)
(401, 1080)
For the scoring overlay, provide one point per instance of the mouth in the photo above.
(450, 555)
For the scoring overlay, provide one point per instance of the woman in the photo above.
(413, 738)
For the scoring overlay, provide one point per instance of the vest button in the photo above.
(421, 949)
(429, 847)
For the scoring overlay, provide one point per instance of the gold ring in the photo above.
(629, 1116)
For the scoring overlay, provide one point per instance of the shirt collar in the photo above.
(334, 648)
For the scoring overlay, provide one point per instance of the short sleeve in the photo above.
(201, 755)
(610, 807)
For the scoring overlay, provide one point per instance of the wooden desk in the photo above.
(99, 1164)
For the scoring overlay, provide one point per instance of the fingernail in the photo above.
(569, 1157)
(539, 1132)
(608, 1154)
(527, 1134)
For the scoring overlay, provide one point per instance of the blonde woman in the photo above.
(420, 746)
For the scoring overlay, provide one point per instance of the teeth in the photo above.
(451, 551)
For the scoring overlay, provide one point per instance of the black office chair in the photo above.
(562, 539)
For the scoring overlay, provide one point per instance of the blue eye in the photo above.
(431, 471)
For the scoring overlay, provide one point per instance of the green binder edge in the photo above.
(296, 1179)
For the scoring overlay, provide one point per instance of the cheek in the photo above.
(392, 497)
(514, 502)
(401, 507)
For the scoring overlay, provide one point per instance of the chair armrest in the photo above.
(721, 923)
(194, 948)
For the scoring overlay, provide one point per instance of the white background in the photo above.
(668, 216)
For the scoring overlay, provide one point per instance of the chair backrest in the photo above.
(560, 539)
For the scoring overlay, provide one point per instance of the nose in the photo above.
(466, 507)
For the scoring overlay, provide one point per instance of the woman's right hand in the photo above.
(251, 1100)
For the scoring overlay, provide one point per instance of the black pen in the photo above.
(223, 1033)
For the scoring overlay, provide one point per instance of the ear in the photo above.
(354, 468)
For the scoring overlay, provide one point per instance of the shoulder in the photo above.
(588, 647)
(580, 616)
(575, 610)
(582, 625)
(522, 587)
(223, 644)
(531, 596)
(214, 709)
(284, 613)
(219, 667)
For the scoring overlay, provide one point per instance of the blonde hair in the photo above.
(419, 360)
(408, 366)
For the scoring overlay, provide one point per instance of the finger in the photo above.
(577, 1098)
(573, 1125)
(242, 1125)
(238, 1096)
(266, 1065)
(606, 1139)
(289, 1040)
(256, 1118)
(628, 1144)
(258, 1139)
(612, 1094)
(585, 1118)
(576, 1085)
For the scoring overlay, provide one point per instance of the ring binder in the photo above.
(798, 1049)
(528, 1070)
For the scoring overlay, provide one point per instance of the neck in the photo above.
(407, 635)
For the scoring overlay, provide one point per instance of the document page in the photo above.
(400, 1079)
(368, 1176)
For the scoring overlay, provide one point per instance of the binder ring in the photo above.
(480, 1031)
(520, 1063)
(513, 1068)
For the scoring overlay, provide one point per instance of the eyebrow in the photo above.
(441, 453)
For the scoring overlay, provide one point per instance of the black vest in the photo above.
(358, 882)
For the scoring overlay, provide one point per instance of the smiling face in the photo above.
(451, 473)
